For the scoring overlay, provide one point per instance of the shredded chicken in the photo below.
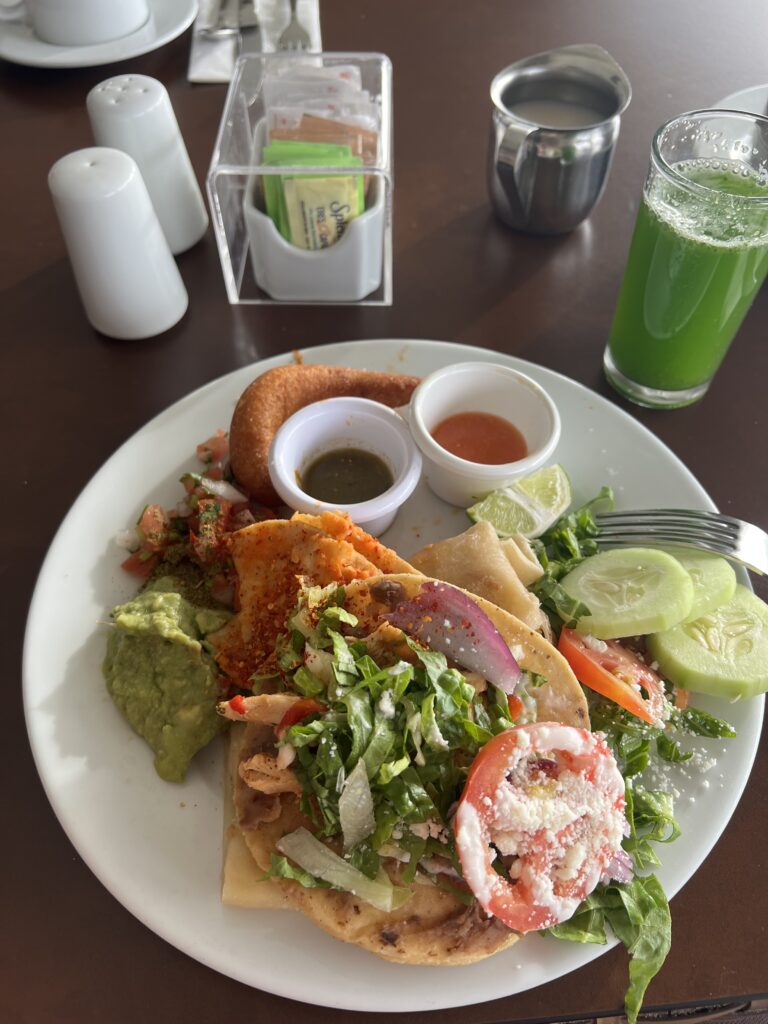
(264, 709)
(387, 645)
(479, 682)
(259, 809)
(262, 773)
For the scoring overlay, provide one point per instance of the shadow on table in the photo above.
(470, 264)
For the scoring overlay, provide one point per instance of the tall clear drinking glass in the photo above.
(698, 256)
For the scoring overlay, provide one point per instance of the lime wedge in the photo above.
(528, 506)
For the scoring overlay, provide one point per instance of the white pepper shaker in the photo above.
(125, 273)
(134, 113)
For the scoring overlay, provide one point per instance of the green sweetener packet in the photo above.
(291, 153)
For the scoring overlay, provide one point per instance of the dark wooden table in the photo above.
(69, 953)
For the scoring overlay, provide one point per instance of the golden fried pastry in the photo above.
(279, 393)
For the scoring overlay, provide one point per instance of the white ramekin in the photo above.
(345, 423)
(481, 387)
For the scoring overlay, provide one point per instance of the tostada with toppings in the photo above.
(349, 774)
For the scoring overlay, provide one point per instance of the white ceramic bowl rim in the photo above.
(362, 511)
(437, 453)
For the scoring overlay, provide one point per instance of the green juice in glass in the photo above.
(692, 272)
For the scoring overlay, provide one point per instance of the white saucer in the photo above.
(167, 19)
(753, 100)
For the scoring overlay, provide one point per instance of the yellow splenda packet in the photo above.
(312, 211)
(319, 209)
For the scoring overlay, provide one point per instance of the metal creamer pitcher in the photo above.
(554, 127)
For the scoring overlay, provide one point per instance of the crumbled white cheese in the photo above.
(386, 705)
(531, 811)
(472, 841)
(429, 830)
(594, 643)
(439, 866)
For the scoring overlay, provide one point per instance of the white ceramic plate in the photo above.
(157, 847)
(753, 100)
(167, 19)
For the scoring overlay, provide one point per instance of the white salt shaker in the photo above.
(127, 278)
(134, 113)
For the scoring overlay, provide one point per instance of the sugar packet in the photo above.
(312, 211)
(317, 116)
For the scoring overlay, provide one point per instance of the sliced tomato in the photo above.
(140, 563)
(611, 670)
(213, 521)
(153, 528)
(682, 698)
(549, 799)
(215, 449)
(516, 707)
(237, 703)
(298, 712)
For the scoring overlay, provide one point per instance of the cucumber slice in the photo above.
(724, 652)
(714, 581)
(630, 591)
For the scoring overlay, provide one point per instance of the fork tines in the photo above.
(710, 531)
(701, 524)
(294, 37)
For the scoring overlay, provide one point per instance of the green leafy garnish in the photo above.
(700, 723)
(281, 867)
(631, 739)
(415, 725)
(560, 549)
(638, 914)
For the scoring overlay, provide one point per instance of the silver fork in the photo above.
(711, 531)
(294, 36)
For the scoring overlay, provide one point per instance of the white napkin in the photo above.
(213, 60)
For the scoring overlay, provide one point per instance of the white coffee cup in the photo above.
(79, 22)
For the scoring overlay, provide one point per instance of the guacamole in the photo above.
(160, 675)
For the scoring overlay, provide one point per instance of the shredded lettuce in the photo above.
(632, 740)
(319, 862)
(638, 914)
(559, 549)
(701, 723)
(415, 726)
(281, 867)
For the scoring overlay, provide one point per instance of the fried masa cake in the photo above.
(280, 392)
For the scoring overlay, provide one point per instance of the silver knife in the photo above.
(250, 29)
(224, 21)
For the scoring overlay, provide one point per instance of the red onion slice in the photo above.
(619, 868)
(445, 619)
